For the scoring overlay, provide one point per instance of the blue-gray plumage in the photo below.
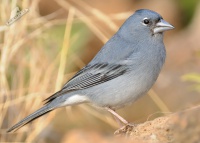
(123, 70)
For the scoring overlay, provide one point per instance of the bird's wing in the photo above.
(89, 76)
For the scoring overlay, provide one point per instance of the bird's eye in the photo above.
(146, 21)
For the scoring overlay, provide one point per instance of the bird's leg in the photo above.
(122, 129)
(117, 116)
(118, 121)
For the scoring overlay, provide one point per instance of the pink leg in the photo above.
(117, 116)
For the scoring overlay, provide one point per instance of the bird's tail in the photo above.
(31, 117)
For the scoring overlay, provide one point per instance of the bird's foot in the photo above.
(125, 129)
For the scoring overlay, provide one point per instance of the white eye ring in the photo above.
(145, 21)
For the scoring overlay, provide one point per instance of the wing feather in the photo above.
(89, 76)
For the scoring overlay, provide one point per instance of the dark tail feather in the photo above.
(31, 117)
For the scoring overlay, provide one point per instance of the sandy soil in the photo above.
(182, 127)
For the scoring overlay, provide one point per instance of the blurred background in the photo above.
(54, 39)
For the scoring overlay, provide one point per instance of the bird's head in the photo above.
(144, 23)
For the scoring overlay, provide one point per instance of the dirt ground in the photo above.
(180, 127)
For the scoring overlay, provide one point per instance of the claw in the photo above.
(125, 129)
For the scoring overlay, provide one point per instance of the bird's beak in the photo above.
(162, 26)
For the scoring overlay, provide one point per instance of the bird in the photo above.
(124, 69)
